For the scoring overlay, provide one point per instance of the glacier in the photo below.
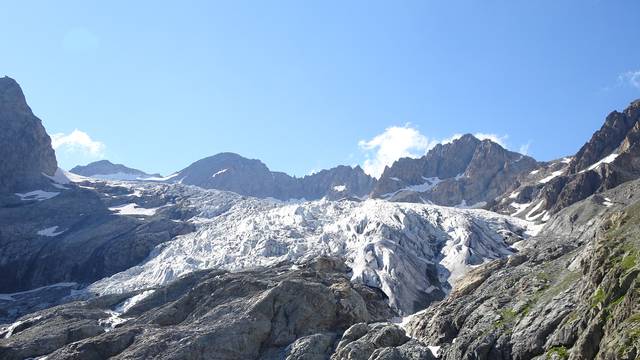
(414, 253)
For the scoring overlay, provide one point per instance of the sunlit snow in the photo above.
(133, 209)
(39, 195)
(50, 231)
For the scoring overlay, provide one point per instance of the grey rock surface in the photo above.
(267, 313)
(572, 294)
(232, 172)
(610, 158)
(25, 147)
(465, 172)
(75, 237)
(105, 168)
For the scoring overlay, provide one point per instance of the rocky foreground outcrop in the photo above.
(573, 292)
(273, 313)
(25, 147)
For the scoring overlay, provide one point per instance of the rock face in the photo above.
(573, 292)
(232, 172)
(105, 169)
(610, 158)
(272, 313)
(72, 235)
(465, 172)
(25, 147)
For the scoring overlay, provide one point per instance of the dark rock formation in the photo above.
(272, 313)
(610, 158)
(85, 241)
(25, 147)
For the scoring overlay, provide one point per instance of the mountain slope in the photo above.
(105, 169)
(25, 147)
(611, 157)
(465, 172)
(232, 172)
(573, 291)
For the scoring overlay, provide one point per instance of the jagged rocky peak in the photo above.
(25, 147)
(467, 171)
(607, 140)
(611, 157)
(232, 172)
(105, 169)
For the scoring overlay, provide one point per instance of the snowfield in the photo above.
(412, 252)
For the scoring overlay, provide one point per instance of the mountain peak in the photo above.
(11, 96)
(105, 169)
(25, 147)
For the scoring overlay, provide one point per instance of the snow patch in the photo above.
(534, 172)
(119, 176)
(50, 231)
(428, 185)
(552, 176)
(39, 195)
(435, 350)
(606, 160)
(11, 328)
(340, 188)
(530, 216)
(219, 172)
(161, 178)
(133, 209)
(59, 177)
(130, 302)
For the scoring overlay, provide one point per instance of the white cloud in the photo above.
(498, 139)
(524, 149)
(78, 141)
(405, 141)
(394, 143)
(631, 77)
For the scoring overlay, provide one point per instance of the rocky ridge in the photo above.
(105, 169)
(465, 172)
(610, 158)
(232, 172)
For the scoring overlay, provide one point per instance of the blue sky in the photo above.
(305, 85)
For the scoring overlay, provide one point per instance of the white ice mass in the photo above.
(392, 246)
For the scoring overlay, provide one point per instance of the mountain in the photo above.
(25, 147)
(94, 268)
(232, 172)
(105, 169)
(572, 292)
(56, 231)
(465, 172)
(610, 158)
